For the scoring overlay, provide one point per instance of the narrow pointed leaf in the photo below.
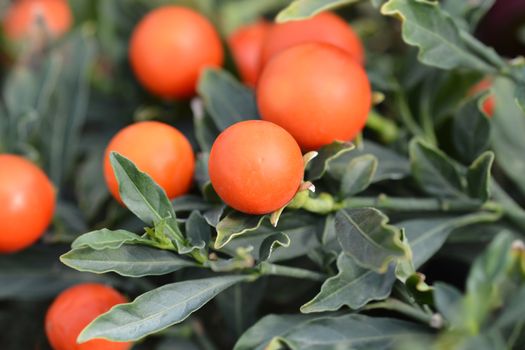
(478, 176)
(127, 260)
(198, 231)
(359, 174)
(156, 310)
(271, 243)
(301, 9)
(318, 166)
(103, 239)
(365, 235)
(226, 99)
(234, 225)
(353, 286)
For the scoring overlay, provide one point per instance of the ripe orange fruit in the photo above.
(246, 45)
(317, 92)
(22, 16)
(157, 149)
(27, 203)
(489, 103)
(74, 309)
(325, 27)
(169, 48)
(255, 166)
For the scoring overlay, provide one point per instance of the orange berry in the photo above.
(246, 45)
(489, 103)
(157, 149)
(325, 27)
(170, 47)
(74, 309)
(255, 166)
(27, 202)
(317, 92)
(22, 17)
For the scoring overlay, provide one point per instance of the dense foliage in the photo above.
(413, 238)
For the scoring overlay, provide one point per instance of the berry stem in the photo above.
(384, 127)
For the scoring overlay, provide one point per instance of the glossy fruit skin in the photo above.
(489, 103)
(74, 309)
(170, 47)
(246, 45)
(27, 203)
(22, 16)
(157, 149)
(317, 93)
(325, 27)
(255, 166)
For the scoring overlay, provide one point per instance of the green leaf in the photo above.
(301, 9)
(447, 300)
(226, 100)
(439, 40)
(127, 260)
(427, 236)
(145, 198)
(234, 225)
(348, 331)
(434, 171)
(359, 174)
(365, 235)
(271, 243)
(420, 291)
(468, 13)
(519, 95)
(390, 165)
(478, 176)
(353, 286)
(471, 130)
(205, 130)
(156, 310)
(508, 128)
(318, 165)
(198, 231)
(190, 203)
(104, 238)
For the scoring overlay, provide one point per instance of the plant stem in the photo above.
(407, 117)
(402, 308)
(266, 268)
(386, 129)
(511, 210)
(325, 203)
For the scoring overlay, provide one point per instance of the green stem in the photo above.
(386, 129)
(407, 117)
(266, 268)
(325, 203)
(427, 121)
(402, 308)
(511, 210)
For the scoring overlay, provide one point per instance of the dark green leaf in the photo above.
(471, 130)
(441, 43)
(234, 225)
(327, 332)
(353, 286)
(156, 310)
(104, 238)
(205, 130)
(226, 100)
(198, 231)
(447, 300)
(358, 175)
(301, 9)
(478, 176)
(272, 242)
(127, 260)
(365, 235)
(391, 166)
(145, 198)
(435, 173)
(318, 166)
(519, 95)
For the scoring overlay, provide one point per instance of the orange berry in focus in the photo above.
(157, 149)
(170, 47)
(246, 45)
(255, 166)
(27, 203)
(489, 103)
(317, 92)
(22, 16)
(325, 27)
(74, 309)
